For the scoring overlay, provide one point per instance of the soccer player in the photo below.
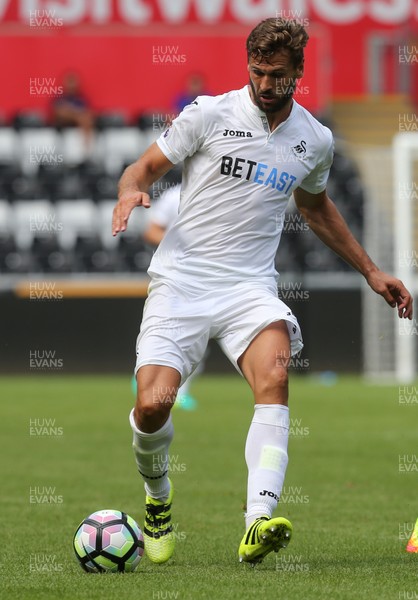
(245, 153)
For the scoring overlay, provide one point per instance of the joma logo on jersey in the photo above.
(257, 173)
(234, 132)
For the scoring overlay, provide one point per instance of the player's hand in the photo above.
(393, 291)
(126, 203)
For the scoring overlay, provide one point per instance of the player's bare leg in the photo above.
(157, 387)
(153, 431)
(264, 365)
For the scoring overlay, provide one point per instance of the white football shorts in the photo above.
(180, 318)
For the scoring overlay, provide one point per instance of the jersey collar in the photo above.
(260, 115)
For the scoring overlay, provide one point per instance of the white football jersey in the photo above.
(237, 179)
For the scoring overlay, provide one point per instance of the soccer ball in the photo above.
(108, 540)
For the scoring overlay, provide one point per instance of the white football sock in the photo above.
(266, 457)
(151, 455)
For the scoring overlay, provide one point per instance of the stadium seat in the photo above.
(74, 147)
(92, 257)
(14, 260)
(106, 120)
(9, 257)
(135, 253)
(36, 228)
(321, 258)
(32, 218)
(104, 222)
(152, 120)
(50, 177)
(138, 222)
(29, 118)
(90, 174)
(287, 260)
(78, 219)
(70, 185)
(25, 188)
(50, 257)
(104, 187)
(118, 146)
(36, 146)
(151, 135)
(6, 222)
(14, 185)
(9, 146)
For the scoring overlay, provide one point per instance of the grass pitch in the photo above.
(349, 491)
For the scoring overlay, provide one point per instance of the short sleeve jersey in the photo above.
(238, 177)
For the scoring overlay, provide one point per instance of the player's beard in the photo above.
(281, 101)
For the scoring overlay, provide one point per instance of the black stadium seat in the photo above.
(111, 119)
(13, 259)
(50, 258)
(71, 185)
(105, 186)
(29, 118)
(136, 255)
(151, 120)
(92, 257)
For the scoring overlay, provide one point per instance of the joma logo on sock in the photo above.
(271, 494)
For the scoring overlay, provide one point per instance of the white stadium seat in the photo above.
(121, 146)
(105, 212)
(30, 219)
(152, 135)
(9, 145)
(38, 145)
(138, 222)
(74, 146)
(78, 218)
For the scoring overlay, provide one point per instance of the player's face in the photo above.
(273, 83)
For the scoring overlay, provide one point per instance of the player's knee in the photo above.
(153, 403)
(273, 384)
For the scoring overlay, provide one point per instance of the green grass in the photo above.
(347, 499)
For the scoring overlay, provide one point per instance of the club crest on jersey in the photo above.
(300, 149)
(235, 133)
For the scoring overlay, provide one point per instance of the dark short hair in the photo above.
(275, 34)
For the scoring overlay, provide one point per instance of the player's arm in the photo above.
(134, 185)
(327, 223)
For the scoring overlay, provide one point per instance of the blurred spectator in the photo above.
(72, 108)
(195, 86)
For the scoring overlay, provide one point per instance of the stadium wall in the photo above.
(98, 335)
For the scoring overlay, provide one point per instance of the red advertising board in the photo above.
(136, 54)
